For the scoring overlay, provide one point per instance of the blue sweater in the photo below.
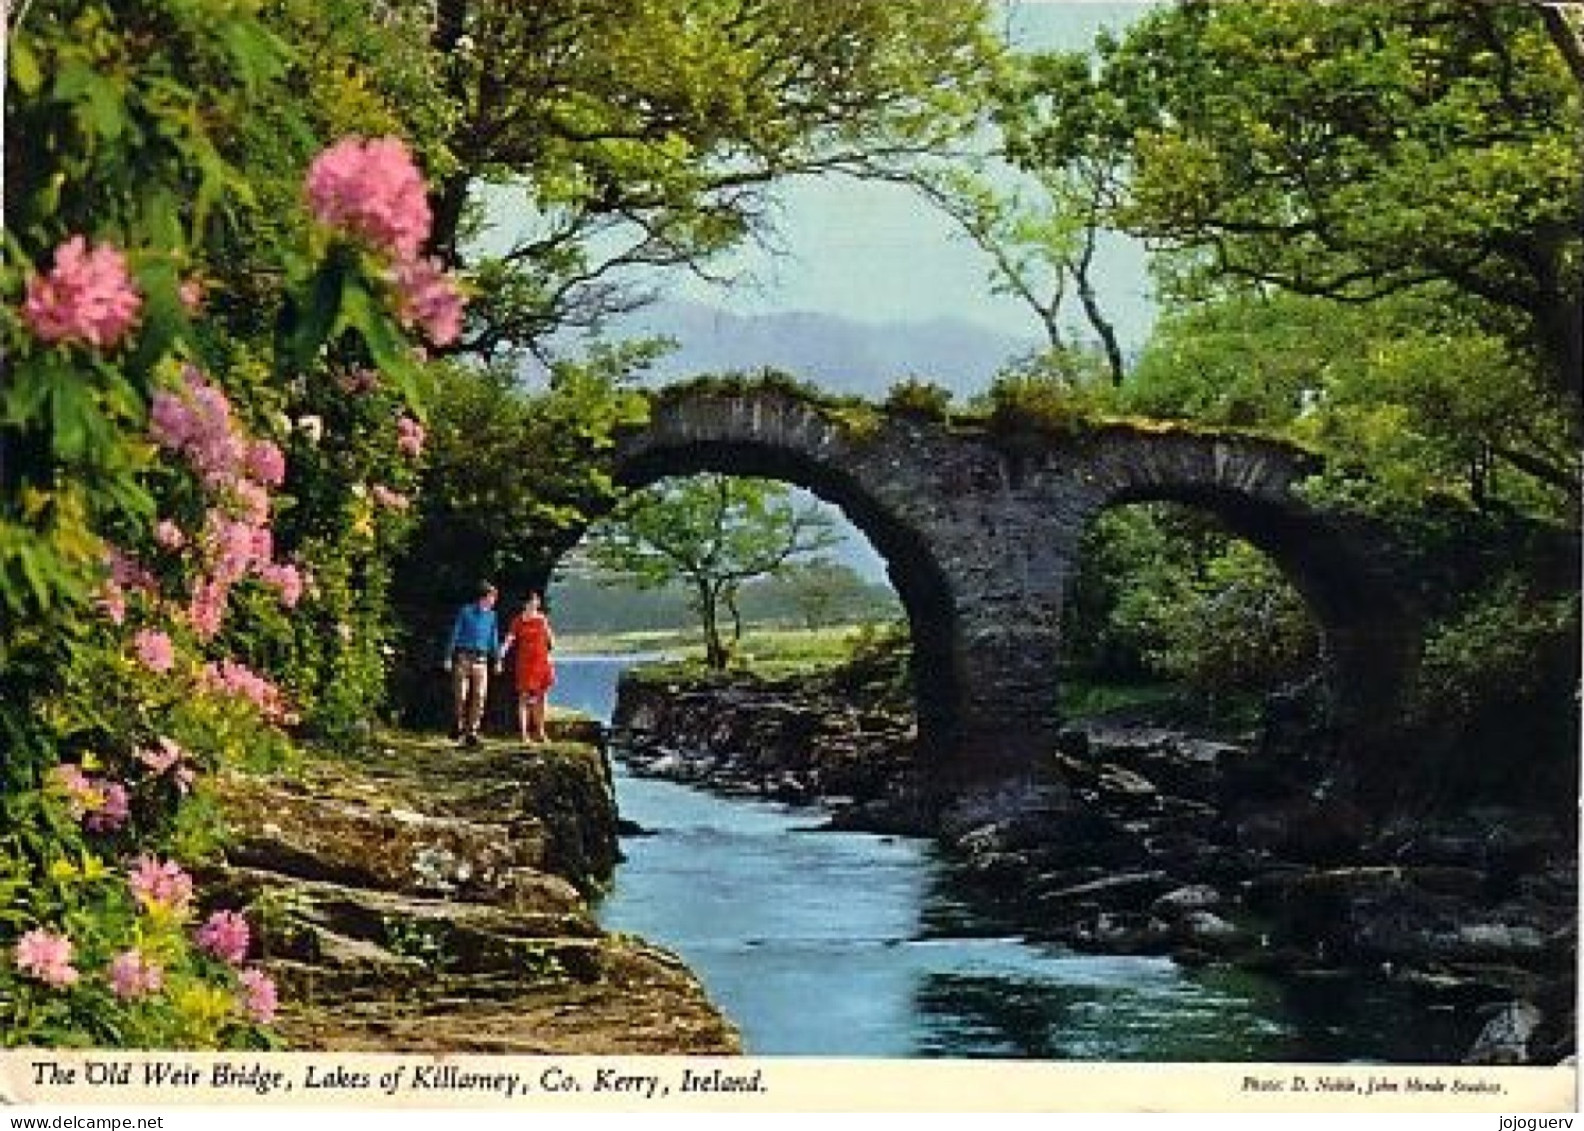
(475, 628)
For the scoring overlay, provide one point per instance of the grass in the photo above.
(772, 651)
(1081, 697)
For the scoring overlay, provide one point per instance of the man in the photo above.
(474, 649)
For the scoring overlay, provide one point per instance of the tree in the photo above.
(513, 477)
(632, 135)
(1355, 151)
(1042, 237)
(1409, 390)
(711, 534)
(826, 592)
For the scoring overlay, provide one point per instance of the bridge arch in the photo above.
(980, 531)
(1343, 568)
(790, 441)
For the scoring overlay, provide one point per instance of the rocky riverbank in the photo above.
(1152, 841)
(418, 897)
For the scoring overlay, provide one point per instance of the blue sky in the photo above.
(877, 252)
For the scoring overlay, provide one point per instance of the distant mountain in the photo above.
(843, 354)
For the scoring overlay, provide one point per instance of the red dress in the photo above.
(530, 637)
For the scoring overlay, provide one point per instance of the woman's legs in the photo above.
(537, 717)
(524, 698)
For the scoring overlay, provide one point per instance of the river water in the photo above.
(850, 944)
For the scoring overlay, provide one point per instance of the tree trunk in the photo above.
(449, 198)
(730, 597)
(447, 203)
(709, 618)
(1091, 306)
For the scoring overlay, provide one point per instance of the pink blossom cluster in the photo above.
(428, 300)
(125, 574)
(235, 547)
(132, 975)
(410, 436)
(196, 422)
(155, 650)
(206, 608)
(168, 758)
(88, 296)
(113, 810)
(225, 935)
(112, 599)
(160, 885)
(236, 540)
(287, 580)
(360, 382)
(100, 804)
(390, 500)
(259, 999)
(47, 957)
(232, 678)
(266, 463)
(169, 536)
(371, 189)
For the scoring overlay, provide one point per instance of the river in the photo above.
(849, 944)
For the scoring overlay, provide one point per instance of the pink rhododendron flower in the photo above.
(410, 436)
(206, 610)
(360, 382)
(46, 956)
(191, 294)
(113, 808)
(155, 649)
(134, 976)
(169, 758)
(231, 547)
(225, 935)
(287, 580)
(88, 296)
(170, 420)
(372, 190)
(127, 571)
(196, 422)
(428, 300)
(161, 885)
(102, 806)
(82, 795)
(266, 463)
(112, 599)
(259, 999)
(232, 678)
(251, 501)
(391, 500)
(168, 535)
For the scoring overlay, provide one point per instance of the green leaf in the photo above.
(24, 68)
(309, 318)
(74, 419)
(391, 352)
(22, 401)
(98, 98)
(164, 317)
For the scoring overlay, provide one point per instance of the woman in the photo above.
(529, 633)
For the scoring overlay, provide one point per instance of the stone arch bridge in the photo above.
(980, 532)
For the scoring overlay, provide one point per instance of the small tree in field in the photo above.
(711, 534)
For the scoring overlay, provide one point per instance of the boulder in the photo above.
(1506, 1037)
(1180, 901)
